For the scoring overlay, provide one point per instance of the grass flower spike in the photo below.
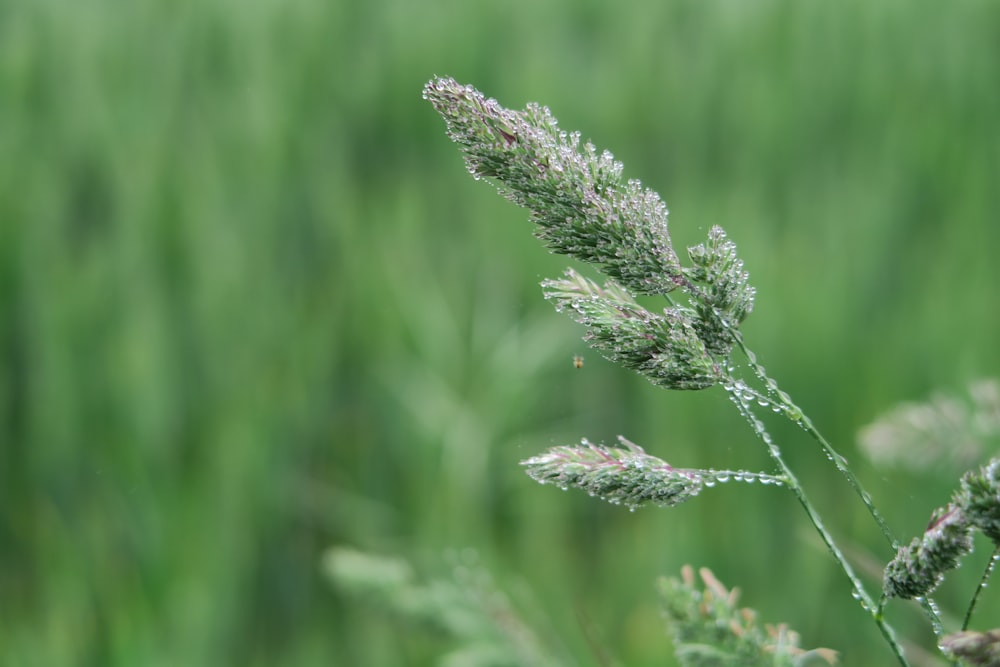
(919, 567)
(583, 207)
(979, 496)
(577, 196)
(664, 347)
(624, 475)
(724, 295)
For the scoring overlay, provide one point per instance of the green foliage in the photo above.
(709, 630)
(250, 306)
(467, 607)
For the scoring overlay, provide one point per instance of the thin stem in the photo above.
(982, 585)
(859, 592)
(932, 613)
(795, 413)
(742, 476)
(931, 610)
(788, 407)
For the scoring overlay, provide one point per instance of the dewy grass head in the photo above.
(583, 207)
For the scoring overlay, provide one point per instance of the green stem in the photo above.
(982, 585)
(795, 413)
(859, 593)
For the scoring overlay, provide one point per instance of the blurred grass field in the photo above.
(253, 307)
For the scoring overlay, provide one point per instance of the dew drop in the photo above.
(722, 477)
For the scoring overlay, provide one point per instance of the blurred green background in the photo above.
(253, 307)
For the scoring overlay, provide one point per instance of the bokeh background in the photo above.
(253, 307)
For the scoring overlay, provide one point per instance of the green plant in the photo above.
(484, 628)
(583, 207)
(466, 606)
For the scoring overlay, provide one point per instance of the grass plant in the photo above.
(583, 207)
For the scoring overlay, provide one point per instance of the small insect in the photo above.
(577, 361)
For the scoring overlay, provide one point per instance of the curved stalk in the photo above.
(859, 592)
(983, 580)
(795, 413)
